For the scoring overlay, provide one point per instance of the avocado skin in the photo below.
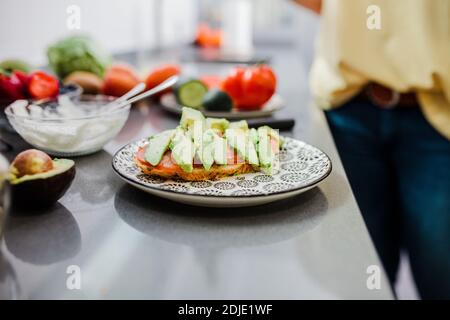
(41, 193)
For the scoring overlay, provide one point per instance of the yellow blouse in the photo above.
(409, 52)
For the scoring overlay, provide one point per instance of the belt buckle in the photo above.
(389, 104)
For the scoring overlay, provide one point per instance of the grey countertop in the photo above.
(128, 244)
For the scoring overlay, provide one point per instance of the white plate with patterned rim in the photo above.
(301, 167)
(169, 103)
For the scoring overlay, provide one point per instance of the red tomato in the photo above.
(250, 88)
(211, 81)
(24, 80)
(258, 85)
(11, 88)
(232, 84)
(119, 79)
(42, 85)
(161, 74)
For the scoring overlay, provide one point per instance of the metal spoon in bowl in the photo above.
(160, 87)
(134, 91)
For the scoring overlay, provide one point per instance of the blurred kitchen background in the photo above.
(143, 25)
(123, 26)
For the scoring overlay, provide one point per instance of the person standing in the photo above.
(382, 74)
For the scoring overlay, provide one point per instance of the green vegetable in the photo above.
(220, 150)
(77, 53)
(157, 146)
(217, 124)
(190, 92)
(42, 189)
(273, 134)
(206, 153)
(189, 116)
(200, 137)
(193, 122)
(183, 150)
(239, 125)
(253, 135)
(217, 100)
(265, 153)
(241, 141)
(8, 66)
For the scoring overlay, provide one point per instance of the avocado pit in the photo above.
(30, 162)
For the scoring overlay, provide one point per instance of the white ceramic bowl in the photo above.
(69, 135)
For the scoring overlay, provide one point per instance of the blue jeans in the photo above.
(399, 169)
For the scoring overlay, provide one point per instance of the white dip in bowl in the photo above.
(68, 127)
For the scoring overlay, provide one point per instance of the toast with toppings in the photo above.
(208, 149)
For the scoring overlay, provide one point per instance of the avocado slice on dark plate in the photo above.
(45, 188)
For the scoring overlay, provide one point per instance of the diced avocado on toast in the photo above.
(220, 150)
(239, 125)
(265, 153)
(194, 123)
(188, 116)
(183, 150)
(240, 140)
(157, 146)
(217, 124)
(213, 142)
(253, 135)
(207, 150)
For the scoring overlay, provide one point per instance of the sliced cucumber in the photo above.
(190, 92)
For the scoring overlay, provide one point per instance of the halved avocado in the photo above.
(43, 189)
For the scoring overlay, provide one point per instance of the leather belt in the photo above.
(387, 98)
